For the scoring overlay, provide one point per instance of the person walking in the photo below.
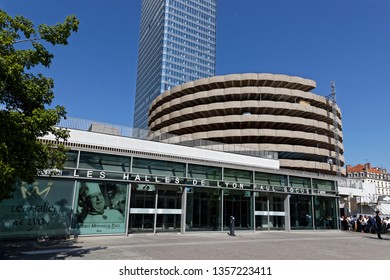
(378, 224)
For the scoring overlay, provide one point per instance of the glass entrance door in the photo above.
(155, 208)
(142, 208)
(238, 204)
(301, 212)
(269, 212)
(168, 208)
(203, 209)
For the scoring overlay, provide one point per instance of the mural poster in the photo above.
(41, 209)
(100, 208)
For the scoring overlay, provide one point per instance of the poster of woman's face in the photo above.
(100, 208)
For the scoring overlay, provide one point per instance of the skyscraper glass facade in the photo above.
(177, 44)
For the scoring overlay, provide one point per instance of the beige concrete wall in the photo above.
(282, 110)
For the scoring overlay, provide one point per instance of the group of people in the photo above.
(366, 223)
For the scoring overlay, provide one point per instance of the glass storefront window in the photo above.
(276, 207)
(261, 211)
(261, 202)
(95, 161)
(169, 199)
(40, 209)
(142, 205)
(141, 223)
(238, 204)
(240, 176)
(204, 172)
(168, 223)
(276, 203)
(277, 223)
(158, 167)
(301, 216)
(142, 197)
(100, 202)
(324, 185)
(203, 209)
(270, 179)
(325, 211)
(146, 216)
(71, 161)
(269, 212)
(299, 182)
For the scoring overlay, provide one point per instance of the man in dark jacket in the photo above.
(378, 221)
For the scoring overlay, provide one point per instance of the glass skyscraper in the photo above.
(177, 44)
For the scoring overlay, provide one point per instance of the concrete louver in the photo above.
(259, 111)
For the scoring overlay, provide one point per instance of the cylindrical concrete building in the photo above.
(265, 112)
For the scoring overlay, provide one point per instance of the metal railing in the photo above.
(124, 131)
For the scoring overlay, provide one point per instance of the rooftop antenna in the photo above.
(332, 99)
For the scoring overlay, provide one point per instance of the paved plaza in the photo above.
(294, 245)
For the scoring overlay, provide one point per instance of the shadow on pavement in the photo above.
(376, 237)
(48, 249)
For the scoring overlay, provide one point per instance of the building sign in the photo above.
(180, 181)
(384, 199)
(37, 210)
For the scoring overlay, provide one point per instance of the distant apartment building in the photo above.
(365, 189)
(369, 174)
(177, 44)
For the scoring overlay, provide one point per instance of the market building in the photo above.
(114, 184)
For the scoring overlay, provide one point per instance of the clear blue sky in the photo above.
(346, 41)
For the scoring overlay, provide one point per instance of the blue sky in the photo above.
(325, 40)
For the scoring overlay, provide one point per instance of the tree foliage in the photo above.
(25, 99)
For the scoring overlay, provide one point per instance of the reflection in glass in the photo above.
(270, 212)
(141, 223)
(324, 185)
(238, 204)
(325, 212)
(261, 205)
(203, 210)
(71, 159)
(270, 179)
(239, 176)
(301, 216)
(168, 222)
(276, 203)
(169, 197)
(277, 222)
(142, 205)
(95, 161)
(40, 209)
(143, 211)
(158, 167)
(204, 172)
(299, 182)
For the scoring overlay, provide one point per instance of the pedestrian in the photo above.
(371, 225)
(378, 224)
(344, 223)
(360, 224)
